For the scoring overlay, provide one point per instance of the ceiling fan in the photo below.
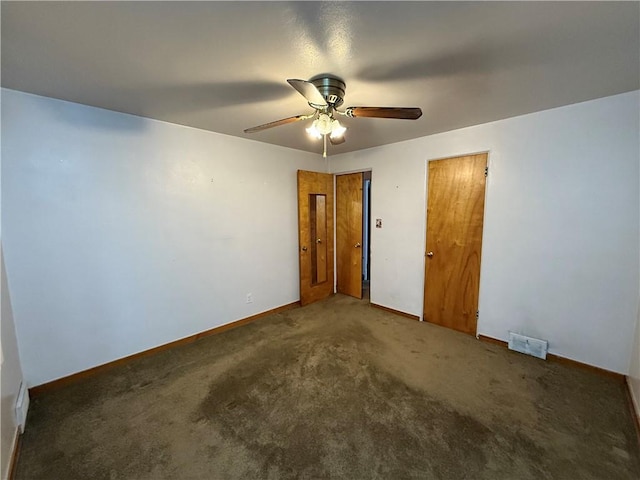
(325, 93)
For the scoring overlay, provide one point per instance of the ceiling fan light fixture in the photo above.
(325, 125)
(320, 126)
(313, 131)
(337, 130)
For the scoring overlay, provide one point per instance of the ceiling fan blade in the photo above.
(309, 91)
(337, 140)
(406, 113)
(277, 123)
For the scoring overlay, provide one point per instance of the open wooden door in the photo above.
(455, 214)
(315, 234)
(349, 234)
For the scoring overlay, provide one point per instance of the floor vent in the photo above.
(528, 345)
(22, 407)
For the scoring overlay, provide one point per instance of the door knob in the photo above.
(429, 254)
(304, 249)
(357, 245)
(319, 240)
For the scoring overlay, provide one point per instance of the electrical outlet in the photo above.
(249, 298)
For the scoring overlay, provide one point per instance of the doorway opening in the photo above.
(366, 236)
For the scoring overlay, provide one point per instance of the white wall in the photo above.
(11, 376)
(123, 233)
(560, 249)
(10, 372)
(634, 365)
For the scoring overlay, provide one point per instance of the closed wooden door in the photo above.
(349, 234)
(315, 235)
(455, 214)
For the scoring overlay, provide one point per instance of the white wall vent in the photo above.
(22, 407)
(528, 345)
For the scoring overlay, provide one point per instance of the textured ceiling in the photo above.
(222, 66)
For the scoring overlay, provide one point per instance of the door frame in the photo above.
(484, 224)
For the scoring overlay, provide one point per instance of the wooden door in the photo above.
(455, 213)
(349, 234)
(315, 235)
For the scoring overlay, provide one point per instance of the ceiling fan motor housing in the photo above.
(332, 89)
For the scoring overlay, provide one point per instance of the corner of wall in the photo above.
(13, 386)
(633, 379)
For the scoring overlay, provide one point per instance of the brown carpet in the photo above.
(337, 389)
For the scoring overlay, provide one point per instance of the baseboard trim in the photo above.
(495, 341)
(75, 377)
(634, 405)
(13, 460)
(566, 361)
(397, 312)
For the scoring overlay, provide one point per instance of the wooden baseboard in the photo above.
(61, 382)
(558, 359)
(633, 406)
(397, 312)
(495, 341)
(13, 461)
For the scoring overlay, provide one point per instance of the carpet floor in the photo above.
(337, 389)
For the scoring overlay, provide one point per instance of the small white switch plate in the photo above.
(249, 298)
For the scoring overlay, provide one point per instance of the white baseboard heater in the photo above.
(528, 345)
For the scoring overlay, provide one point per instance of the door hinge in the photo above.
(477, 314)
(486, 171)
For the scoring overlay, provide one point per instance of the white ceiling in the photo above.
(222, 66)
